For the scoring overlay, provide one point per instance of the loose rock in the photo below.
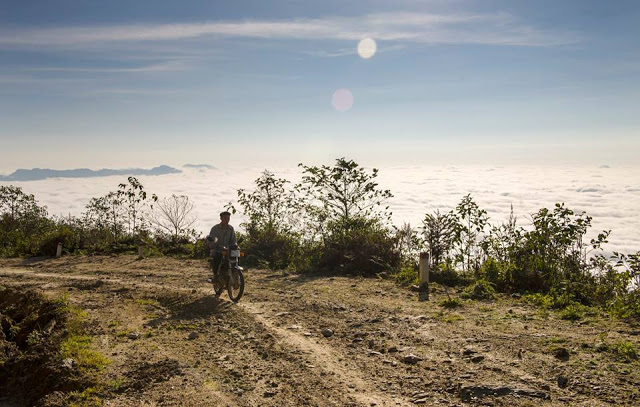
(563, 381)
(411, 359)
(561, 353)
(69, 364)
(327, 333)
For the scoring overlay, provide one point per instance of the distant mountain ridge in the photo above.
(36, 174)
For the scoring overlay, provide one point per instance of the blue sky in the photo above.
(122, 83)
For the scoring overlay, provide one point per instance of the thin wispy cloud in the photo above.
(168, 66)
(495, 29)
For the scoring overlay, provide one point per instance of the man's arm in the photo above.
(212, 239)
(233, 239)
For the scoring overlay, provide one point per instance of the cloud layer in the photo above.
(610, 195)
(494, 29)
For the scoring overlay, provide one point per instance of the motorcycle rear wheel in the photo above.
(235, 285)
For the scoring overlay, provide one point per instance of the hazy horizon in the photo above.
(610, 195)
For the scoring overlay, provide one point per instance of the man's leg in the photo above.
(215, 264)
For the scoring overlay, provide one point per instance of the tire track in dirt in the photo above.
(323, 357)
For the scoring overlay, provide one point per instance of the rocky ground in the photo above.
(308, 340)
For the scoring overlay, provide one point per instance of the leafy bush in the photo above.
(347, 208)
(271, 249)
(572, 312)
(625, 350)
(407, 276)
(359, 246)
(201, 249)
(446, 274)
(61, 233)
(479, 290)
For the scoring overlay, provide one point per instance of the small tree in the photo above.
(174, 216)
(271, 206)
(554, 253)
(409, 244)
(105, 214)
(22, 221)
(503, 242)
(439, 231)
(344, 192)
(348, 207)
(471, 222)
(272, 213)
(134, 198)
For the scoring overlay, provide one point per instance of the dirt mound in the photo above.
(30, 362)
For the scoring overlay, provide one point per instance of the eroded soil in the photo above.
(303, 340)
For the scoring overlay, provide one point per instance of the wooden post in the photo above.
(140, 252)
(423, 292)
(59, 250)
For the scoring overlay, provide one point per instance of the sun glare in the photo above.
(342, 100)
(367, 48)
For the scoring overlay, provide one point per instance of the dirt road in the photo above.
(299, 340)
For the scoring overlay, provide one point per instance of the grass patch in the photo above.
(625, 350)
(448, 317)
(78, 347)
(146, 301)
(451, 303)
(573, 312)
(89, 397)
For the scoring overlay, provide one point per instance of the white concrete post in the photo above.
(59, 250)
(140, 252)
(423, 292)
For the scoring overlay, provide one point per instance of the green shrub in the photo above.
(625, 350)
(572, 312)
(407, 276)
(479, 290)
(65, 234)
(270, 248)
(451, 303)
(625, 305)
(360, 246)
(551, 301)
(446, 274)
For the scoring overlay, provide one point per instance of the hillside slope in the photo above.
(300, 340)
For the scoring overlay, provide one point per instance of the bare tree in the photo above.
(173, 215)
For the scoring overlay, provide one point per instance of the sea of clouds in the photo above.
(610, 195)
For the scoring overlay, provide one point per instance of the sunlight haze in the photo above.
(118, 84)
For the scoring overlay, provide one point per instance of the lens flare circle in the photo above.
(367, 48)
(342, 100)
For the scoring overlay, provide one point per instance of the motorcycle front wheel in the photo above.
(235, 287)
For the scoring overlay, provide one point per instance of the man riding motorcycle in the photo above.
(221, 235)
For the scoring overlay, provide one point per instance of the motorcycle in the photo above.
(230, 275)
